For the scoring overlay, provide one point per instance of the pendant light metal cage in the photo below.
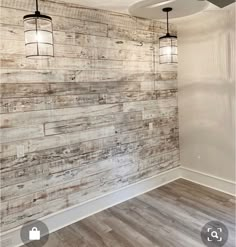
(38, 31)
(168, 46)
(168, 49)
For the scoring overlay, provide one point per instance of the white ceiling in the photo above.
(153, 8)
(120, 6)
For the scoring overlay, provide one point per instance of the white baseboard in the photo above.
(73, 214)
(208, 180)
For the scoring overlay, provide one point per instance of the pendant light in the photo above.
(168, 50)
(38, 35)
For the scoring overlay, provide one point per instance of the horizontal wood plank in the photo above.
(149, 104)
(114, 75)
(37, 144)
(65, 39)
(36, 117)
(12, 46)
(9, 90)
(21, 133)
(78, 124)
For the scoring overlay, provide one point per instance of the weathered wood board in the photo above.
(100, 115)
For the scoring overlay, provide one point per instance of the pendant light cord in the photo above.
(167, 10)
(167, 13)
(37, 6)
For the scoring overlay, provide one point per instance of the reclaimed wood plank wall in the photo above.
(100, 115)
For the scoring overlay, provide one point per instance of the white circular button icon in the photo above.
(214, 234)
(35, 231)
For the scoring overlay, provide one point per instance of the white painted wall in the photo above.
(207, 92)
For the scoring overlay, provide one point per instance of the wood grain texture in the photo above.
(170, 216)
(100, 115)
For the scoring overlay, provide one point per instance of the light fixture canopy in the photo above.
(168, 49)
(38, 35)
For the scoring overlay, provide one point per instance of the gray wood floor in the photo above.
(172, 215)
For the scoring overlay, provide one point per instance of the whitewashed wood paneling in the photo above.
(98, 116)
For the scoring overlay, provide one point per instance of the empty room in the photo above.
(117, 123)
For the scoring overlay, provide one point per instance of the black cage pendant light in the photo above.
(38, 35)
(168, 45)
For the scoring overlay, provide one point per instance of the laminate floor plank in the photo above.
(170, 216)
